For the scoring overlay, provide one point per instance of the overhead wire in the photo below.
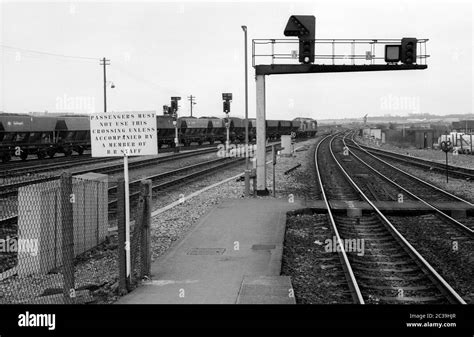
(50, 54)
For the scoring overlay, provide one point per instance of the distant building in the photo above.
(464, 125)
(374, 133)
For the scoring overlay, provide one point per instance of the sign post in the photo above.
(121, 134)
(446, 146)
(127, 212)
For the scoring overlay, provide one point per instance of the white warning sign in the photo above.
(114, 134)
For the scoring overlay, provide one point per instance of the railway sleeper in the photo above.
(427, 287)
(393, 278)
(428, 299)
(413, 270)
(389, 263)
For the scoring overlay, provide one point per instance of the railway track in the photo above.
(161, 181)
(429, 165)
(38, 166)
(416, 189)
(388, 269)
(11, 189)
(47, 165)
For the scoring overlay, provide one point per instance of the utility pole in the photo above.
(105, 62)
(191, 100)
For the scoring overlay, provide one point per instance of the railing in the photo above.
(330, 51)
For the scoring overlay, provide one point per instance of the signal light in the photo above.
(392, 53)
(303, 26)
(174, 106)
(306, 51)
(226, 106)
(408, 50)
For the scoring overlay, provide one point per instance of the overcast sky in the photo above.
(161, 49)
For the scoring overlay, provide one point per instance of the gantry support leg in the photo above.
(261, 137)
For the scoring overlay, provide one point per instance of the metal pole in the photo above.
(127, 216)
(121, 236)
(247, 170)
(227, 125)
(446, 167)
(176, 140)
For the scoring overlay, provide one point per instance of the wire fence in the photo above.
(56, 244)
(131, 274)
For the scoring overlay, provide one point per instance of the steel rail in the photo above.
(106, 169)
(462, 172)
(420, 180)
(458, 224)
(226, 162)
(425, 266)
(352, 282)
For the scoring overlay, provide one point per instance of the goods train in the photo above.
(23, 135)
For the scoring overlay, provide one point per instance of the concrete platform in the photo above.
(225, 255)
(266, 290)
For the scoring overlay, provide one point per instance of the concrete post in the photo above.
(67, 223)
(261, 137)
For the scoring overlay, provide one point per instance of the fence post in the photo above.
(67, 227)
(122, 263)
(135, 240)
(146, 228)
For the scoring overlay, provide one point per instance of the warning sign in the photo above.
(114, 134)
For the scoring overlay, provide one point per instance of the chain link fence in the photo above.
(58, 243)
(46, 223)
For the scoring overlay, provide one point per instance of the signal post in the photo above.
(227, 98)
(174, 111)
(397, 55)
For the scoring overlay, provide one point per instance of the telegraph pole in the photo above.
(191, 100)
(105, 62)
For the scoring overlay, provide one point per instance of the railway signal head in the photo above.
(303, 26)
(306, 51)
(226, 106)
(446, 146)
(408, 52)
(174, 106)
(392, 53)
